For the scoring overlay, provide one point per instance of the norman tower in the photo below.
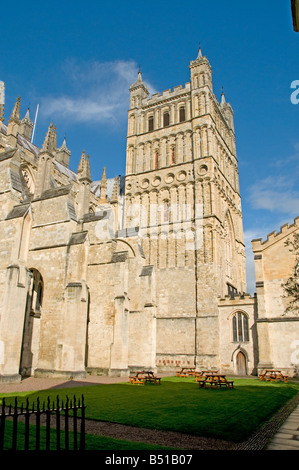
(182, 191)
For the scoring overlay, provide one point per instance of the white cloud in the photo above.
(96, 92)
(279, 192)
(276, 194)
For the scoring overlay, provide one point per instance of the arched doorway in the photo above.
(241, 368)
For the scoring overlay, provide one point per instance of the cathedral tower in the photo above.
(182, 191)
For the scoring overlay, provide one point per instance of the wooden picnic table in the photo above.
(201, 375)
(152, 378)
(186, 372)
(272, 375)
(215, 380)
(143, 376)
(137, 379)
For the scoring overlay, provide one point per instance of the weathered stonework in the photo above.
(278, 330)
(141, 271)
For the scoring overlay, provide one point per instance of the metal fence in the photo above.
(56, 426)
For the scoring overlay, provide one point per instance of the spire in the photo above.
(15, 115)
(49, 145)
(27, 117)
(103, 193)
(13, 127)
(63, 154)
(138, 88)
(46, 162)
(199, 55)
(139, 77)
(54, 139)
(84, 167)
(26, 126)
(223, 101)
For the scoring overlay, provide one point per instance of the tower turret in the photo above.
(26, 126)
(201, 72)
(228, 112)
(63, 154)
(138, 91)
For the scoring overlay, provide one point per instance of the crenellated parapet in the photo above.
(285, 230)
(237, 300)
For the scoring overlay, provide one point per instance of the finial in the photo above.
(50, 144)
(114, 197)
(15, 115)
(222, 97)
(199, 56)
(84, 166)
(103, 191)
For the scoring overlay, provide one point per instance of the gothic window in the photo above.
(182, 114)
(166, 119)
(150, 123)
(36, 292)
(240, 327)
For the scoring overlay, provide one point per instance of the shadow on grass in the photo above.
(181, 406)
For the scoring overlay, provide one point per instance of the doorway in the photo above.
(241, 364)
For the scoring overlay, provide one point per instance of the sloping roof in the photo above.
(22, 141)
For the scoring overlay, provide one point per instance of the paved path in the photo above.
(287, 437)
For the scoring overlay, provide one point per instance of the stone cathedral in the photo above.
(146, 270)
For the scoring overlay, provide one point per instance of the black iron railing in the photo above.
(56, 426)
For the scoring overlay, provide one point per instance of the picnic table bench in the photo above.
(141, 377)
(273, 375)
(215, 381)
(201, 375)
(137, 379)
(152, 378)
(186, 372)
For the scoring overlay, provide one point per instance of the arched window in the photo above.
(151, 123)
(156, 161)
(182, 114)
(36, 291)
(240, 327)
(166, 119)
(166, 211)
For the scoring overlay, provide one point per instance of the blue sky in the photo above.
(77, 59)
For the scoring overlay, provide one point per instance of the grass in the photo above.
(179, 405)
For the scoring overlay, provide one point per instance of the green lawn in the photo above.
(179, 405)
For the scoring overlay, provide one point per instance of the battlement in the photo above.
(274, 236)
(169, 94)
(237, 299)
